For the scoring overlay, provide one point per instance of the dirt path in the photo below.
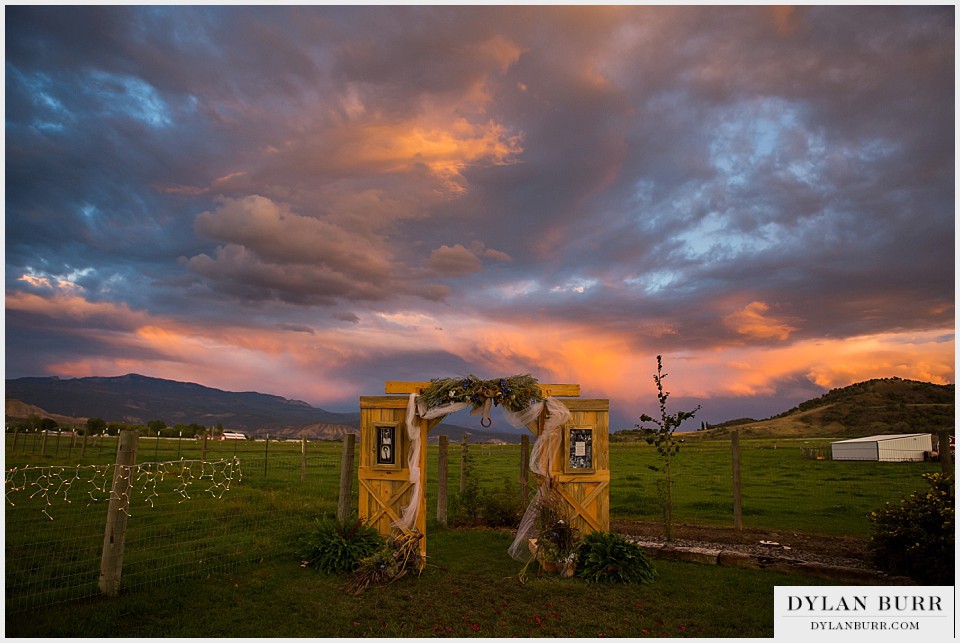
(831, 550)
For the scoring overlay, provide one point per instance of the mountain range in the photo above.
(873, 407)
(138, 399)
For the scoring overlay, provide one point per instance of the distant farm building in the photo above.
(909, 447)
(233, 435)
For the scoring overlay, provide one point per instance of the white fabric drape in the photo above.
(546, 443)
(409, 517)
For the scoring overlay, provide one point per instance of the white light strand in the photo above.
(49, 483)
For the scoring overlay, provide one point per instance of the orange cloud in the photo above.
(70, 306)
(605, 363)
(753, 321)
(788, 20)
(610, 365)
(829, 363)
(443, 147)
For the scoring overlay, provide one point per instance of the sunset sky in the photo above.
(308, 201)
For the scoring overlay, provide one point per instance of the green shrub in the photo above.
(916, 538)
(466, 506)
(338, 547)
(501, 507)
(606, 557)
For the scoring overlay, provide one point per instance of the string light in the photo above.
(50, 483)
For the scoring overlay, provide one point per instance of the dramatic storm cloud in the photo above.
(308, 201)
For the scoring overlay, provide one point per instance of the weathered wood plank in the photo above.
(560, 390)
(369, 473)
(404, 388)
(382, 402)
(587, 405)
(596, 476)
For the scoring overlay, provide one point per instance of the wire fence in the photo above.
(185, 518)
(248, 502)
(780, 488)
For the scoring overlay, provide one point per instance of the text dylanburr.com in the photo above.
(864, 613)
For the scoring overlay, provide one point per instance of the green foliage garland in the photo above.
(514, 393)
(605, 557)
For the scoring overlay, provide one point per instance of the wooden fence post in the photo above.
(946, 458)
(737, 506)
(203, 449)
(14, 449)
(43, 442)
(266, 455)
(524, 470)
(303, 458)
(114, 534)
(463, 463)
(442, 482)
(346, 477)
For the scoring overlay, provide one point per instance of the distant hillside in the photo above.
(454, 434)
(17, 410)
(136, 399)
(874, 407)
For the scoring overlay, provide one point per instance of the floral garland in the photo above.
(514, 393)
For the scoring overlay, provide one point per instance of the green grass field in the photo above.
(469, 589)
(231, 535)
(781, 489)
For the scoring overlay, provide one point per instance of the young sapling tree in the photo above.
(662, 437)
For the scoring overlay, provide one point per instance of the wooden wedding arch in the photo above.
(392, 477)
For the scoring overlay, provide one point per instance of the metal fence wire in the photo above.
(243, 504)
(184, 518)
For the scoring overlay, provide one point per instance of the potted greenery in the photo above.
(606, 557)
(337, 547)
(557, 541)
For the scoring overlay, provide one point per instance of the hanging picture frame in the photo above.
(386, 444)
(578, 449)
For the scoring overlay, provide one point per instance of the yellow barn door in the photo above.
(580, 464)
(384, 477)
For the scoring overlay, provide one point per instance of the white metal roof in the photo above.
(879, 438)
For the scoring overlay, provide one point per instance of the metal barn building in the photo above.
(909, 447)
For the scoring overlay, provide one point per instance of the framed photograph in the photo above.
(579, 449)
(387, 446)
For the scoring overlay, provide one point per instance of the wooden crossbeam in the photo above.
(385, 507)
(579, 508)
(547, 390)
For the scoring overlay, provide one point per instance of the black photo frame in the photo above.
(386, 445)
(579, 449)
